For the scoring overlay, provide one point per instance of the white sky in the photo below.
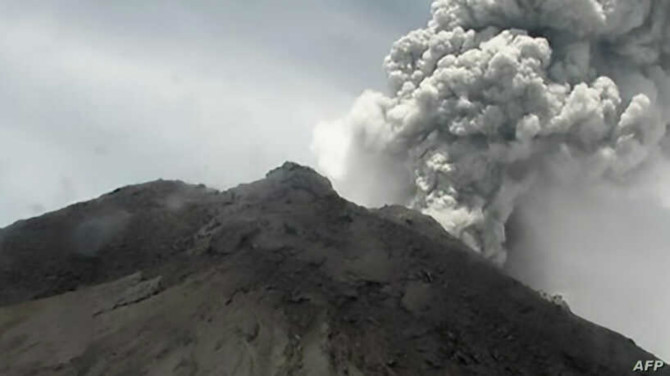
(96, 95)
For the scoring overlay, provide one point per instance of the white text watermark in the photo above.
(648, 365)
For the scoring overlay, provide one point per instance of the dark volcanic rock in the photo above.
(277, 277)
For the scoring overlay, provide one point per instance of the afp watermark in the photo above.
(648, 365)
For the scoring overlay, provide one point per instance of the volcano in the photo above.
(278, 277)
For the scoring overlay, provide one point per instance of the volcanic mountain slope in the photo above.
(277, 277)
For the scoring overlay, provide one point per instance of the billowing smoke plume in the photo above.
(494, 96)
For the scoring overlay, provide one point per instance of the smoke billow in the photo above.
(493, 97)
(534, 127)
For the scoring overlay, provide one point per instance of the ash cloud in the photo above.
(491, 98)
(542, 121)
(604, 248)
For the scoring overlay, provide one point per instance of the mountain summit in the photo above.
(277, 277)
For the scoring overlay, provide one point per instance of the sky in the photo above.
(98, 95)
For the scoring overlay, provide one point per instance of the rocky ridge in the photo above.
(277, 277)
